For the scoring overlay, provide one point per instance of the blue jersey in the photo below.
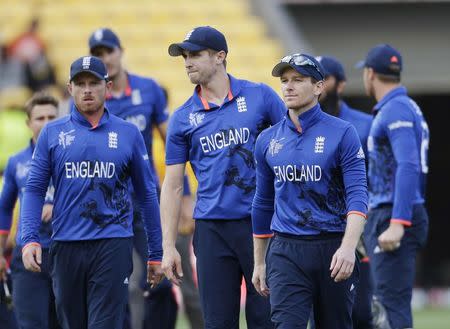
(15, 178)
(90, 168)
(143, 104)
(219, 142)
(398, 155)
(360, 120)
(308, 182)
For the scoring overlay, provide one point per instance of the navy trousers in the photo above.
(394, 272)
(224, 251)
(298, 277)
(34, 301)
(90, 281)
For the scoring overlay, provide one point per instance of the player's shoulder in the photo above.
(335, 122)
(267, 133)
(119, 122)
(253, 86)
(143, 82)
(184, 108)
(358, 114)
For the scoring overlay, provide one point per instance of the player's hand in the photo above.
(389, 240)
(171, 265)
(342, 263)
(47, 213)
(154, 274)
(259, 280)
(32, 257)
(2, 268)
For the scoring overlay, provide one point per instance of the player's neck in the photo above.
(295, 113)
(383, 89)
(216, 89)
(94, 117)
(120, 83)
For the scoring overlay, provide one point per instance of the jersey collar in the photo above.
(79, 118)
(127, 92)
(201, 104)
(399, 91)
(307, 119)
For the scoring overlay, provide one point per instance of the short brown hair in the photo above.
(388, 78)
(40, 98)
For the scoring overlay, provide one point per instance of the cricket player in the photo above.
(311, 194)
(91, 155)
(216, 129)
(142, 102)
(34, 310)
(397, 225)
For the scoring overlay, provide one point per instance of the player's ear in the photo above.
(341, 87)
(69, 88)
(109, 85)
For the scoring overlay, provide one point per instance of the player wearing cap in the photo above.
(332, 103)
(312, 164)
(33, 310)
(90, 155)
(141, 101)
(215, 130)
(397, 224)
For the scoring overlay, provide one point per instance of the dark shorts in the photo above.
(394, 272)
(298, 277)
(90, 280)
(224, 251)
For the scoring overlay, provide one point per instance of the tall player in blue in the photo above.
(398, 148)
(36, 310)
(91, 156)
(215, 130)
(332, 103)
(141, 101)
(311, 193)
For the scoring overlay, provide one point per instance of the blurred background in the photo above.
(40, 38)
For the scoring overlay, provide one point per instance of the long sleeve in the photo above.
(263, 201)
(35, 190)
(352, 160)
(400, 131)
(145, 189)
(8, 198)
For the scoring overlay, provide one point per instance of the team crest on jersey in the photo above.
(113, 140)
(241, 104)
(196, 118)
(66, 138)
(22, 169)
(361, 154)
(136, 98)
(275, 146)
(319, 145)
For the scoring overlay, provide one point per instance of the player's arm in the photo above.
(161, 113)
(171, 200)
(186, 225)
(145, 188)
(353, 166)
(399, 127)
(8, 199)
(177, 154)
(262, 212)
(33, 201)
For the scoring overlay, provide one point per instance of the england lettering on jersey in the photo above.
(294, 173)
(224, 138)
(90, 169)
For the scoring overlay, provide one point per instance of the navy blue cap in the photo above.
(304, 64)
(104, 37)
(200, 38)
(383, 59)
(90, 64)
(332, 67)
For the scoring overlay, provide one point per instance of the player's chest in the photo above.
(82, 144)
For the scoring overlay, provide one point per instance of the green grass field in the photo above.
(423, 319)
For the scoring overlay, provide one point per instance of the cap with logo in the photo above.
(383, 59)
(332, 67)
(200, 38)
(104, 37)
(304, 64)
(89, 64)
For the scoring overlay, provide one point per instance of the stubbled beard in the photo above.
(330, 102)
